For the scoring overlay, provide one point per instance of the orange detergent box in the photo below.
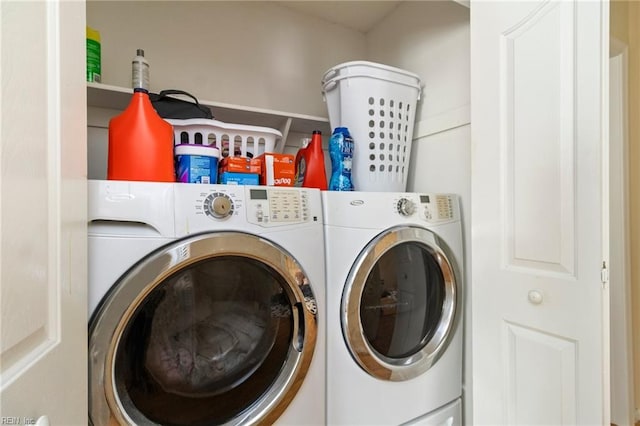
(277, 169)
(240, 165)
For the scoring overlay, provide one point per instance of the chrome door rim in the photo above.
(110, 320)
(374, 363)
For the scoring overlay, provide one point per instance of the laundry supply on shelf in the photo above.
(240, 164)
(309, 163)
(277, 169)
(233, 178)
(240, 170)
(197, 163)
(341, 153)
(141, 143)
(94, 56)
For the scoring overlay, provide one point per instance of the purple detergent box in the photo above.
(233, 178)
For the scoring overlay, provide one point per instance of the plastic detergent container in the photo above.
(197, 163)
(94, 56)
(341, 153)
(140, 144)
(309, 170)
(140, 141)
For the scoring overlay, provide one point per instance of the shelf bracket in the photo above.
(284, 129)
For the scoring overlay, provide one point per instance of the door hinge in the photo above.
(604, 273)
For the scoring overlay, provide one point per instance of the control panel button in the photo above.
(445, 207)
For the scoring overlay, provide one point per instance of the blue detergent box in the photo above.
(196, 163)
(234, 178)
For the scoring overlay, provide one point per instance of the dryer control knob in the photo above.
(406, 207)
(218, 205)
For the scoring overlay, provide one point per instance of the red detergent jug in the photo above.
(140, 143)
(310, 171)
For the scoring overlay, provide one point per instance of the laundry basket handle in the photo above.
(331, 84)
(329, 75)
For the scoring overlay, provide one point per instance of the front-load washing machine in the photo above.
(394, 313)
(204, 304)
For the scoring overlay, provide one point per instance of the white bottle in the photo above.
(140, 76)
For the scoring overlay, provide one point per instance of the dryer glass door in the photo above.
(399, 304)
(211, 331)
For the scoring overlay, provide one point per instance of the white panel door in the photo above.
(43, 337)
(539, 142)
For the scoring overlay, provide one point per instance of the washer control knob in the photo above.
(218, 205)
(406, 207)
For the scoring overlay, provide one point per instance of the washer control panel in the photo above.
(274, 206)
(265, 206)
(203, 208)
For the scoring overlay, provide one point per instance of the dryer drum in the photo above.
(215, 329)
(399, 304)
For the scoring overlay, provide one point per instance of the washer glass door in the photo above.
(213, 330)
(399, 304)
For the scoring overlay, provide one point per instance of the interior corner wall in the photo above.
(434, 44)
(634, 182)
(432, 39)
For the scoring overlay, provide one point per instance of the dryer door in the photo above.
(399, 304)
(215, 329)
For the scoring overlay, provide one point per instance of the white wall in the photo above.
(257, 54)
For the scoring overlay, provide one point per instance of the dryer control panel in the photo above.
(381, 209)
(430, 207)
(437, 207)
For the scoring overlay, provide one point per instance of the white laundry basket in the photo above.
(230, 139)
(377, 103)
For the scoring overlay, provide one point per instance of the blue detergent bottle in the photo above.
(341, 153)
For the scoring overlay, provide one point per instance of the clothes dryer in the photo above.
(394, 312)
(204, 304)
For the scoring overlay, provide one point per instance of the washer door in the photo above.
(399, 304)
(215, 329)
